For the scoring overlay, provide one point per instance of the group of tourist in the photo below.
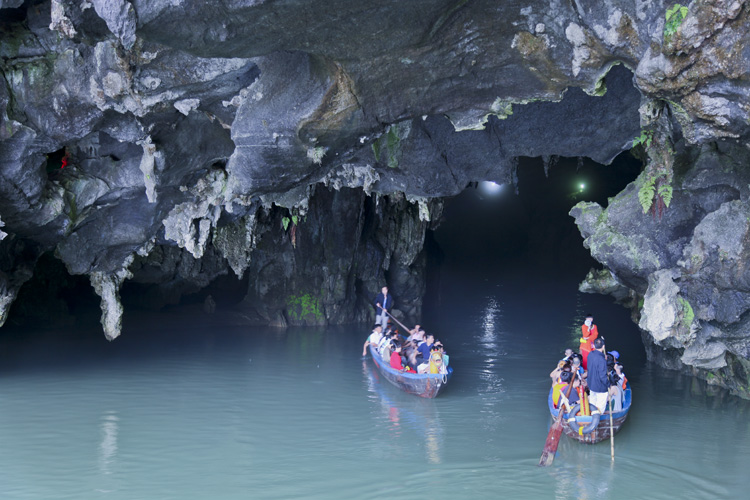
(591, 377)
(419, 352)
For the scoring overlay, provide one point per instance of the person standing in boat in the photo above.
(597, 379)
(589, 333)
(383, 305)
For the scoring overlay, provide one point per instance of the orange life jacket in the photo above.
(590, 334)
(587, 339)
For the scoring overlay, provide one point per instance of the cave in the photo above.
(200, 200)
(217, 159)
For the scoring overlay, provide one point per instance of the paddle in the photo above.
(397, 321)
(611, 430)
(553, 438)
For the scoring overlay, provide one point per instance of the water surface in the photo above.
(195, 407)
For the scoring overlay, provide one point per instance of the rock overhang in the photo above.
(196, 115)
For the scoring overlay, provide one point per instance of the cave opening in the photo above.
(522, 233)
(53, 298)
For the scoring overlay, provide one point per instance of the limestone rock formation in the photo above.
(687, 268)
(167, 142)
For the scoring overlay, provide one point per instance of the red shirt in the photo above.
(396, 361)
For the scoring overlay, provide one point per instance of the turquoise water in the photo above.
(196, 408)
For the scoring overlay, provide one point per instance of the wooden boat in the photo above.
(426, 385)
(600, 431)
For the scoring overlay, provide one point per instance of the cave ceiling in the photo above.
(126, 125)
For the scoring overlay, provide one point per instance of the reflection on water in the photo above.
(418, 415)
(582, 480)
(488, 347)
(108, 444)
(491, 311)
(189, 410)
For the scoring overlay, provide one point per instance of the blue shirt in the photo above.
(425, 350)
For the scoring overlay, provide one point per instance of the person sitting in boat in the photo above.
(436, 364)
(386, 350)
(589, 333)
(568, 355)
(416, 334)
(562, 366)
(383, 342)
(424, 349)
(576, 368)
(410, 352)
(561, 388)
(618, 383)
(374, 339)
(396, 361)
(439, 347)
(616, 356)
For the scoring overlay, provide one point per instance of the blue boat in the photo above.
(592, 429)
(427, 385)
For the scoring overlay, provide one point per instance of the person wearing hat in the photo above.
(589, 333)
(597, 379)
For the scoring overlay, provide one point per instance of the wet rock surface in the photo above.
(305, 147)
(688, 268)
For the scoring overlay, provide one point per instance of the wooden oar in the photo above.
(611, 430)
(553, 438)
(397, 321)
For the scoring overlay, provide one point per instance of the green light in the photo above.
(583, 186)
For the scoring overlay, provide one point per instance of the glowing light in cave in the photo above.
(490, 188)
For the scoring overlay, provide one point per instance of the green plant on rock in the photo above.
(304, 308)
(686, 311)
(656, 191)
(644, 139)
(294, 220)
(674, 17)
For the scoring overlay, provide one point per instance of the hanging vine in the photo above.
(655, 193)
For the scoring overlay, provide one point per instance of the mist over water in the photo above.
(190, 406)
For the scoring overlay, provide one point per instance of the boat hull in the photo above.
(423, 385)
(602, 431)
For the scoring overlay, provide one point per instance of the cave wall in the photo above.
(684, 273)
(164, 142)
